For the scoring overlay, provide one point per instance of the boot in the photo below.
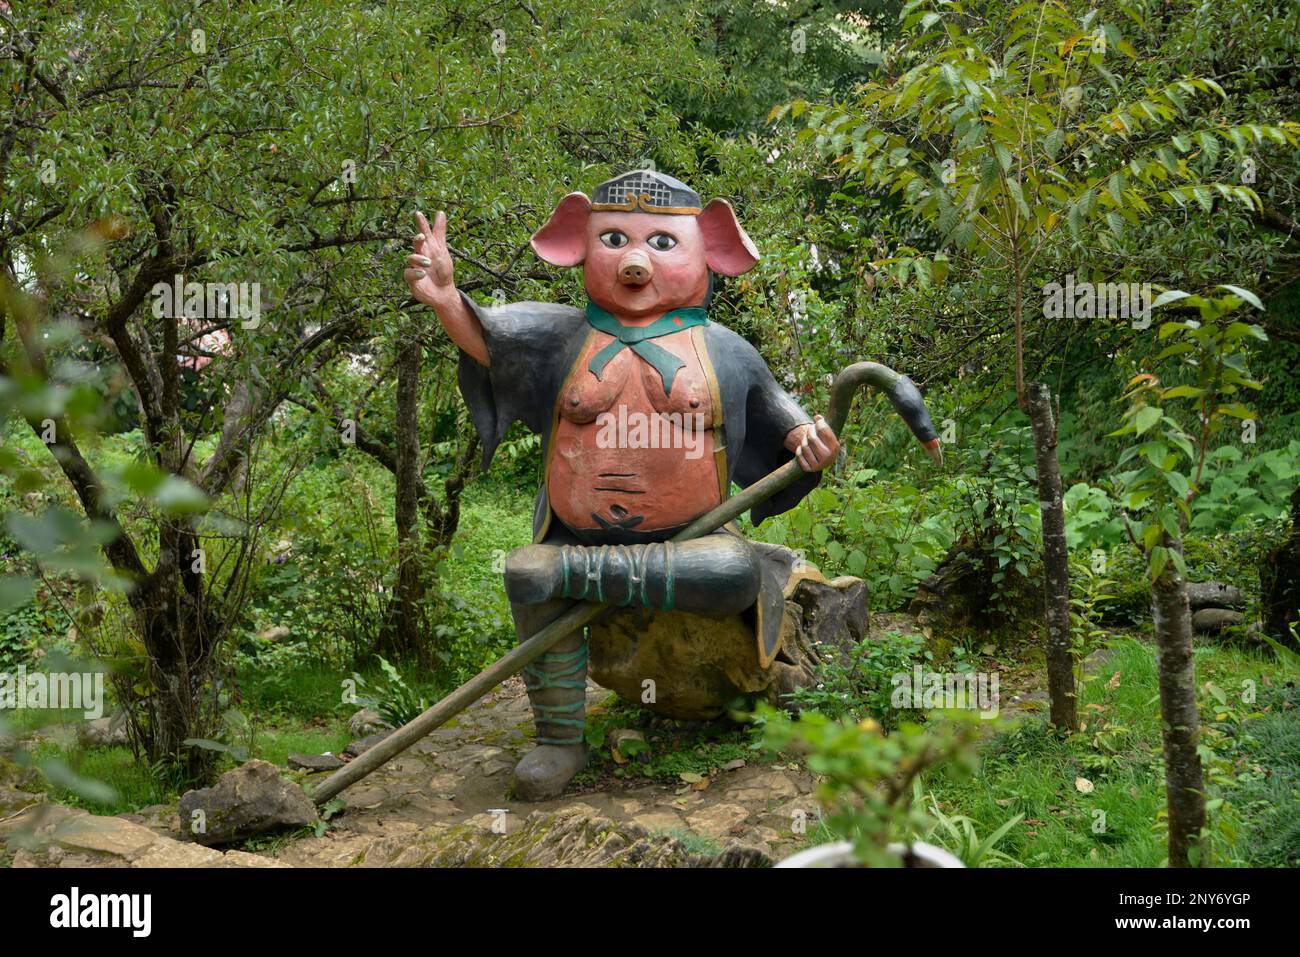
(716, 576)
(557, 691)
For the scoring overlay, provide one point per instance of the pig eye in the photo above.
(614, 239)
(662, 242)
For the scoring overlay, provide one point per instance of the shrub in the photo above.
(867, 776)
(861, 683)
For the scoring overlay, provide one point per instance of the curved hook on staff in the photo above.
(902, 393)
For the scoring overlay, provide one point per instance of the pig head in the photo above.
(639, 265)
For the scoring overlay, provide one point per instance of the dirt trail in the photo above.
(456, 780)
(444, 801)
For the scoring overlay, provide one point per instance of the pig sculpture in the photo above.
(647, 412)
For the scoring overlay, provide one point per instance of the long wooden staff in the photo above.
(905, 398)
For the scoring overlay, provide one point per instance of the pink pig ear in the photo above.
(729, 250)
(563, 240)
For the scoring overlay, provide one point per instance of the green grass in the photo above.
(474, 626)
(27, 720)
(275, 744)
(1267, 796)
(133, 783)
(135, 786)
(1028, 769)
(304, 691)
(272, 843)
(494, 519)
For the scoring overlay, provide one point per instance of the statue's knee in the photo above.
(530, 573)
(718, 576)
(738, 561)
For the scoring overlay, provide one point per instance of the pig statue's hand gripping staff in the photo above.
(648, 411)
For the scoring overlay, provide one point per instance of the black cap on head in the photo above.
(646, 191)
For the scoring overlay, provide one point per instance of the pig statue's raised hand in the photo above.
(648, 411)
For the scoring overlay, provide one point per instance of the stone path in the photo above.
(444, 802)
(450, 791)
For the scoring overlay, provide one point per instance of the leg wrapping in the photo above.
(557, 690)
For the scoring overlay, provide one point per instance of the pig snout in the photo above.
(634, 269)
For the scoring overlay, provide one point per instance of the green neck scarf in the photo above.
(637, 339)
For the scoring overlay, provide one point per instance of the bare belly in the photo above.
(627, 454)
(592, 485)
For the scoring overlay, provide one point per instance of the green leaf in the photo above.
(1147, 416)
(1178, 483)
(1210, 144)
(1168, 296)
(1235, 409)
(175, 496)
(1018, 195)
(61, 775)
(1159, 559)
(1245, 294)
(1156, 453)
(15, 590)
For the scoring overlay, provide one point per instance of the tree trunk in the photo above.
(177, 633)
(410, 579)
(1184, 783)
(1279, 579)
(442, 519)
(1056, 559)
